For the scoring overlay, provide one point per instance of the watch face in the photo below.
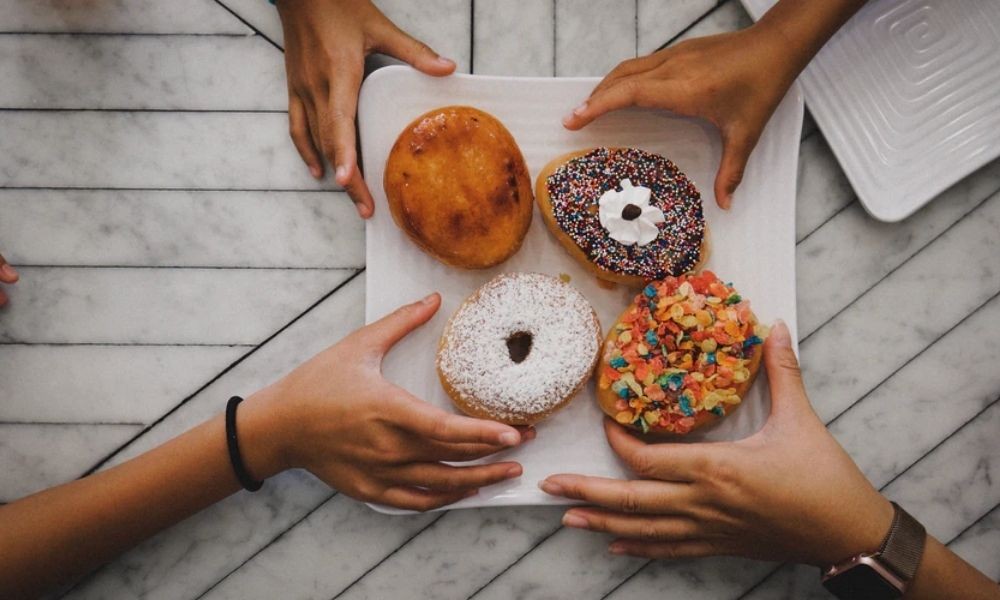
(861, 582)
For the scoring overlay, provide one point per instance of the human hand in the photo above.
(734, 80)
(7, 275)
(789, 492)
(326, 42)
(337, 417)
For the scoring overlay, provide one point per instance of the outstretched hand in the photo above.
(339, 418)
(788, 492)
(326, 42)
(7, 275)
(734, 80)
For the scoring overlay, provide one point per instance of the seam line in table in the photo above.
(516, 560)
(74, 423)
(388, 556)
(916, 252)
(216, 377)
(128, 34)
(914, 357)
(84, 188)
(267, 545)
(472, 36)
(894, 478)
(978, 520)
(184, 267)
(555, 44)
(704, 15)
(249, 111)
(127, 344)
(247, 23)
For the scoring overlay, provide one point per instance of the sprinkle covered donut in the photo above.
(628, 215)
(682, 355)
(519, 348)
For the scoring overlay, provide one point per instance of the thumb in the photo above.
(736, 149)
(783, 374)
(397, 43)
(383, 334)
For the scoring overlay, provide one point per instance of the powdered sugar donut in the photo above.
(519, 348)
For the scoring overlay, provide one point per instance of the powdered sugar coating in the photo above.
(474, 359)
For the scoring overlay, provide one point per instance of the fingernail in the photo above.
(779, 334)
(550, 488)
(8, 271)
(315, 171)
(341, 173)
(429, 298)
(444, 62)
(514, 471)
(580, 108)
(574, 520)
(509, 438)
(528, 435)
(616, 548)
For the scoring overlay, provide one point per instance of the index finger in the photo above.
(634, 496)
(436, 424)
(669, 461)
(7, 272)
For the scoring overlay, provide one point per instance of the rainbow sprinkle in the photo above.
(680, 350)
(575, 188)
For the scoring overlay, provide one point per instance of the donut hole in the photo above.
(519, 345)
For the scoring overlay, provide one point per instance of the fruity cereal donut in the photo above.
(682, 355)
(627, 215)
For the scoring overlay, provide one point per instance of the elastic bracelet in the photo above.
(248, 482)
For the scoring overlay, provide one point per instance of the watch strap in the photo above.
(903, 546)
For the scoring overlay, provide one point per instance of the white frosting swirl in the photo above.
(635, 228)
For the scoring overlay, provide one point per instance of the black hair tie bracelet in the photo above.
(248, 482)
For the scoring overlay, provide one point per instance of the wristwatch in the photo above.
(885, 573)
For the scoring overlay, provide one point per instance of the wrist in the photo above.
(262, 435)
(869, 523)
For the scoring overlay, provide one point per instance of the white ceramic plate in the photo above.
(908, 96)
(753, 245)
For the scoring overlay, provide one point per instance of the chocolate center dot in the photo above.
(519, 345)
(631, 212)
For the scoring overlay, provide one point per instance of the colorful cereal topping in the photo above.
(575, 188)
(681, 350)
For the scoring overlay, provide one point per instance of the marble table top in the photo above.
(174, 252)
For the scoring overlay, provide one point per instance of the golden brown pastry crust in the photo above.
(545, 207)
(457, 184)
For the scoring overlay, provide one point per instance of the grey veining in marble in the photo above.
(851, 238)
(265, 545)
(141, 72)
(103, 383)
(529, 52)
(593, 37)
(905, 312)
(150, 150)
(160, 306)
(37, 456)
(119, 16)
(659, 21)
(181, 228)
(203, 549)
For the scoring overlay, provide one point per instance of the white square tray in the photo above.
(753, 245)
(908, 96)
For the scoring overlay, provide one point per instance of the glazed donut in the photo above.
(627, 215)
(682, 355)
(519, 348)
(458, 186)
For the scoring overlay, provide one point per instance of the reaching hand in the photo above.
(337, 417)
(734, 80)
(326, 42)
(788, 492)
(7, 275)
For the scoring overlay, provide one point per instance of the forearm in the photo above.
(805, 26)
(942, 574)
(60, 534)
